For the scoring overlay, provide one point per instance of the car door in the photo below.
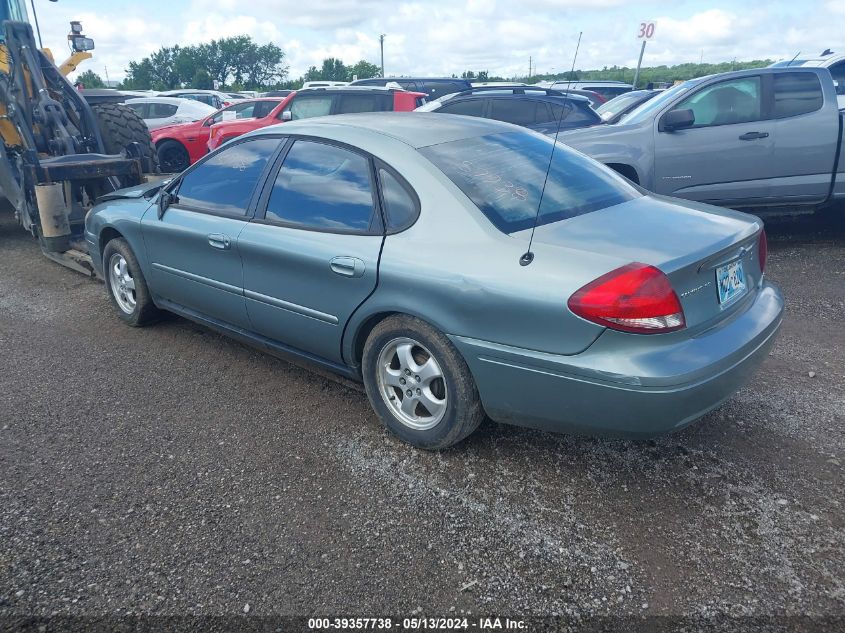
(727, 154)
(805, 148)
(311, 254)
(192, 248)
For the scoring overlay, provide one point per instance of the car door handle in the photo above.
(753, 136)
(218, 240)
(348, 266)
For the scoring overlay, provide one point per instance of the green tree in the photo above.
(363, 70)
(333, 70)
(202, 80)
(90, 79)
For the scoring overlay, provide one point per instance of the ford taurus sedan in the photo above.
(459, 267)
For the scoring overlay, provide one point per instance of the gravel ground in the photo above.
(169, 470)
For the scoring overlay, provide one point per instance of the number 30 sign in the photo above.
(646, 30)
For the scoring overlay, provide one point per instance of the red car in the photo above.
(321, 102)
(179, 146)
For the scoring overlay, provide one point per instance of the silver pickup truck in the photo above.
(767, 137)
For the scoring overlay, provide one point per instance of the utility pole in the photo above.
(381, 44)
(530, 61)
(108, 83)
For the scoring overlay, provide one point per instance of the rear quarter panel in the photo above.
(455, 270)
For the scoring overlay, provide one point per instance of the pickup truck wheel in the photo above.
(126, 285)
(419, 385)
(173, 157)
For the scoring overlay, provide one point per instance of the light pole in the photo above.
(381, 44)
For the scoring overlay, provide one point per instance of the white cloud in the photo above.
(441, 37)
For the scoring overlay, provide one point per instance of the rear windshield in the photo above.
(503, 175)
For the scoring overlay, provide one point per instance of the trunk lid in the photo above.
(687, 241)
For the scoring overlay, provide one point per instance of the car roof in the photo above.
(356, 89)
(437, 79)
(417, 129)
(178, 101)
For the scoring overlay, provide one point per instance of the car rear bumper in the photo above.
(623, 384)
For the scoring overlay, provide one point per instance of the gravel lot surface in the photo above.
(169, 470)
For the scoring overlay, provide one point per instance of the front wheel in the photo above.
(126, 285)
(419, 384)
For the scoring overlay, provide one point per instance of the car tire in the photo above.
(126, 285)
(431, 405)
(119, 126)
(172, 157)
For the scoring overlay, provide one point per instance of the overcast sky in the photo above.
(441, 37)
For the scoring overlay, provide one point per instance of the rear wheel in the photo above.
(119, 126)
(173, 157)
(419, 384)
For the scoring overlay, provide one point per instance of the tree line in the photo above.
(239, 63)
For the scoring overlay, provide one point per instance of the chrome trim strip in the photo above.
(199, 279)
(292, 307)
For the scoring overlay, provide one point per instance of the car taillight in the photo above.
(763, 250)
(634, 298)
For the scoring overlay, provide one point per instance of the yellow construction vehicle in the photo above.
(62, 149)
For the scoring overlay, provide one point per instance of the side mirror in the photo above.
(677, 120)
(287, 115)
(165, 199)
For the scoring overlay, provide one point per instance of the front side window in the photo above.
(162, 110)
(503, 174)
(725, 103)
(141, 109)
(837, 71)
(306, 107)
(225, 182)
(323, 187)
(467, 107)
(796, 93)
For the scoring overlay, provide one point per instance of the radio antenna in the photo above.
(794, 58)
(528, 256)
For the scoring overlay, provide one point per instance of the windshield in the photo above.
(643, 112)
(503, 174)
(12, 10)
(617, 104)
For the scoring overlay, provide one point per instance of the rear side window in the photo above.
(503, 175)
(349, 103)
(516, 111)
(224, 183)
(796, 93)
(467, 107)
(323, 187)
(400, 205)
